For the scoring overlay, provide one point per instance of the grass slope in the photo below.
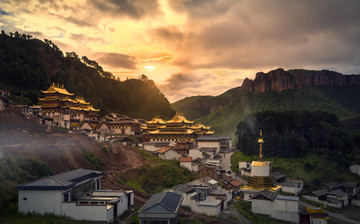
(156, 175)
(337, 100)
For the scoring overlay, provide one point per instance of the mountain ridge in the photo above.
(28, 65)
(280, 80)
(277, 90)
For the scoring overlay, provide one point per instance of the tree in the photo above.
(143, 78)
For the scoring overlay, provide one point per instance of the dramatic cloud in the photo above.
(266, 34)
(116, 60)
(3, 13)
(196, 46)
(135, 8)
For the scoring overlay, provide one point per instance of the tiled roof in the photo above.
(287, 198)
(235, 183)
(265, 194)
(185, 159)
(333, 185)
(278, 175)
(183, 188)
(61, 181)
(163, 150)
(337, 192)
(319, 193)
(164, 202)
(289, 184)
(350, 184)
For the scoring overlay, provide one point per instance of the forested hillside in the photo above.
(277, 90)
(28, 65)
(296, 134)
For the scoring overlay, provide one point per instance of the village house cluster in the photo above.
(263, 190)
(78, 194)
(59, 108)
(336, 194)
(193, 154)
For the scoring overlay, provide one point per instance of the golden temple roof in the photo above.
(91, 108)
(164, 131)
(179, 118)
(177, 125)
(56, 88)
(250, 188)
(260, 163)
(77, 104)
(80, 100)
(53, 98)
(156, 120)
(200, 126)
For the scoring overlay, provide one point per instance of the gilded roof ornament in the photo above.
(260, 141)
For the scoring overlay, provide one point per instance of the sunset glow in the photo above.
(149, 68)
(195, 47)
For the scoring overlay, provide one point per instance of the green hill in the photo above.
(28, 65)
(224, 112)
(313, 146)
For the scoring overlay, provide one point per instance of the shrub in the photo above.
(95, 161)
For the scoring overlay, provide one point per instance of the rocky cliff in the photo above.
(278, 90)
(280, 80)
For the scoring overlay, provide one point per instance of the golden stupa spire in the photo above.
(260, 141)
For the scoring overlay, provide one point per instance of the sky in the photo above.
(196, 47)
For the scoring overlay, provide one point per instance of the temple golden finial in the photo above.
(260, 141)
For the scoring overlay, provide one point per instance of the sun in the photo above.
(149, 68)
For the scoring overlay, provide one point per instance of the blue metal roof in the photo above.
(61, 181)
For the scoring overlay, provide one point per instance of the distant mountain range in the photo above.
(277, 90)
(28, 65)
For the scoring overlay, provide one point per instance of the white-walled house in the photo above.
(76, 194)
(154, 146)
(276, 206)
(293, 187)
(209, 142)
(167, 153)
(161, 208)
(245, 168)
(222, 143)
(195, 153)
(335, 198)
(204, 196)
(186, 162)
